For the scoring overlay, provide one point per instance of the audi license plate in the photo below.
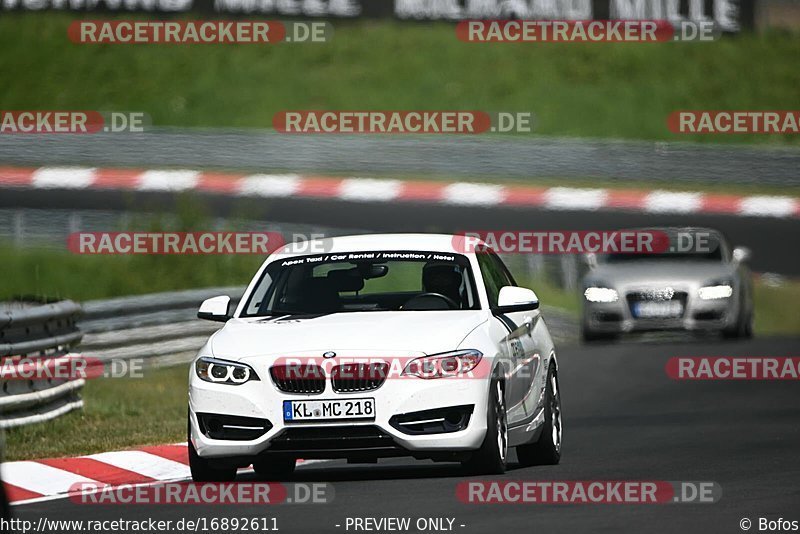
(328, 410)
(658, 309)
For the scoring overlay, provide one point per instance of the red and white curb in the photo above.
(41, 480)
(38, 480)
(385, 190)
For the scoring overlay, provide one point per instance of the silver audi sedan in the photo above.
(698, 283)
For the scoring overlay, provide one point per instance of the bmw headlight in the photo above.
(444, 365)
(601, 294)
(223, 371)
(720, 289)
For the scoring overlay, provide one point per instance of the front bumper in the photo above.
(261, 400)
(697, 315)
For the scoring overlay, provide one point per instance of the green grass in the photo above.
(119, 413)
(618, 90)
(776, 308)
(55, 273)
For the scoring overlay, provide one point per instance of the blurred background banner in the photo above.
(729, 15)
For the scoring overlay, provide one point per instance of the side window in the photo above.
(490, 278)
(259, 294)
(502, 270)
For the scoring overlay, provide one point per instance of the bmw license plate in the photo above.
(328, 410)
(658, 309)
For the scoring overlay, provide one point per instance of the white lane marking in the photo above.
(673, 202)
(144, 463)
(370, 189)
(179, 180)
(768, 206)
(570, 198)
(41, 478)
(467, 193)
(63, 177)
(269, 185)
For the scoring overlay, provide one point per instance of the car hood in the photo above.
(428, 332)
(658, 272)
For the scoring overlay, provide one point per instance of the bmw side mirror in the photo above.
(215, 309)
(516, 299)
(741, 254)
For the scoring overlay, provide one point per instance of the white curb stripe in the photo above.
(673, 202)
(768, 206)
(144, 463)
(41, 478)
(269, 185)
(575, 199)
(369, 189)
(63, 177)
(168, 180)
(465, 193)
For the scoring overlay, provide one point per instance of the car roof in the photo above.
(357, 243)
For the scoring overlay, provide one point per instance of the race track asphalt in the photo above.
(624, 420)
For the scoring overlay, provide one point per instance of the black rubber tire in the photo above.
(274, 468)
(743, 329)
(204, 469)
(545, 451)
(489, 459)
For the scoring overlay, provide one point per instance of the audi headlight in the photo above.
(601, 294)
(445, 364)
(716, 291)
(223, 371)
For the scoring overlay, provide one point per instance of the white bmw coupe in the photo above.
(375, 346)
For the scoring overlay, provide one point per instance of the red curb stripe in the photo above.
(96, 470)
(626, 198)
(720, 203)
(417, 190)
(524, 196)
(15, 493)
(177, 453)
(319, 186)
(227, 183)
(116, 178)
(16, 176)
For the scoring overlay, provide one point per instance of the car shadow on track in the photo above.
(339, 471)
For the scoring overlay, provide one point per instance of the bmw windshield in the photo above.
(364, 281)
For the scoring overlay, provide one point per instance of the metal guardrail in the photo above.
(453, 156)
(162, 328)
(31, 332)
